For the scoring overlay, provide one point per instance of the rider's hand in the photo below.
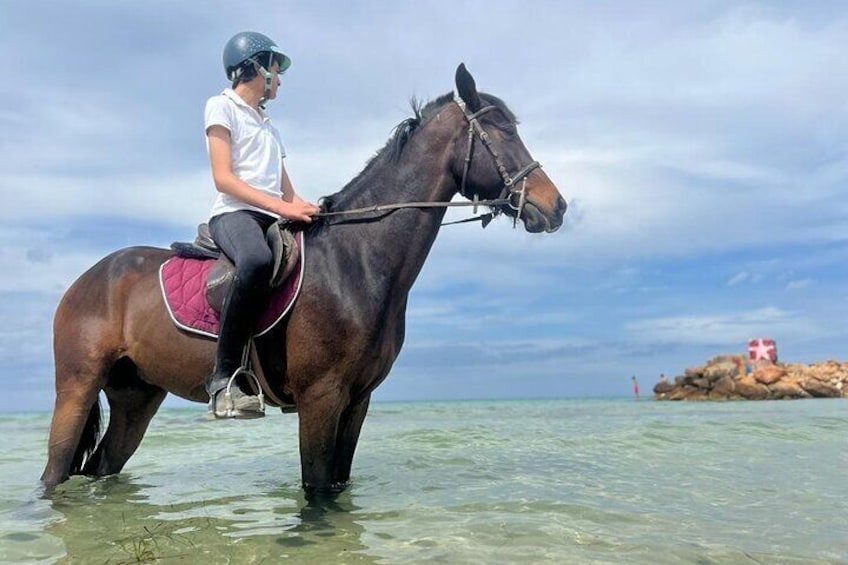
(299, 211)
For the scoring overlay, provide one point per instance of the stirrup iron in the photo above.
(229, 405)
(228, 397)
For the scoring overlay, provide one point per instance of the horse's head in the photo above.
(491, 161)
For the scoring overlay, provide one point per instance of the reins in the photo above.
(475, 203)
(507, 192)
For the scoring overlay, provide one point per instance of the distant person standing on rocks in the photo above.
(662, 378)
(635, 387)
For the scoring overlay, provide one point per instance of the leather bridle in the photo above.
(509, 189)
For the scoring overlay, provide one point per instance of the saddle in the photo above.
(280, 240)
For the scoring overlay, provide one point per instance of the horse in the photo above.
(113, 334)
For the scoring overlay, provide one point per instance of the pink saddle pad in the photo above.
(183, 284)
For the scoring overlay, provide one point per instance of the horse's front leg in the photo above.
(319, 410)
(347, 438)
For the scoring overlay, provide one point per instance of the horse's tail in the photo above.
(88, 439)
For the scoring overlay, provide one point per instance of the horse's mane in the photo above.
(401, 134)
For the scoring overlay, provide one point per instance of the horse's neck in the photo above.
(397, 244)
(404, 238)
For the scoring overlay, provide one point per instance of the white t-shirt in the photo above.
(257, 150)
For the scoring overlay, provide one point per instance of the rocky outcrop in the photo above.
(731, 377)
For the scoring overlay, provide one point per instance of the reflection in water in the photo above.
(115, 520)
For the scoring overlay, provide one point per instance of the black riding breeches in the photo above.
(241, 236)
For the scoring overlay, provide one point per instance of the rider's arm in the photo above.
(286, 187)
(228, 183)
(289, 195)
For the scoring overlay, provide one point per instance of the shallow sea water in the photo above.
(552, 481)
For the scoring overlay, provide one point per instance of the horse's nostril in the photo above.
(562, 206)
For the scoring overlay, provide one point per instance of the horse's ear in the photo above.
(467, 89)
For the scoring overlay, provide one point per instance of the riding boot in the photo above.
(241, 310)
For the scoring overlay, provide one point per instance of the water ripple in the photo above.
(597, 481)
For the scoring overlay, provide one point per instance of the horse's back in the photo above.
(139, 260)
(128, 259)
(97, 289)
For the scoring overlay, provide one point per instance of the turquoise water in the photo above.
(566, 481)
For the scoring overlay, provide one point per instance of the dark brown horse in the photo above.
(112, 332)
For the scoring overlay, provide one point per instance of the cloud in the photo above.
(798, 284)
(26, 345)
(39, 267)
(702, 148)
(697, 154)
(739, 278)
(183, 199)
(39, 255)
(719, 329)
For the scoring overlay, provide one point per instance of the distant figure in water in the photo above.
(635, 387)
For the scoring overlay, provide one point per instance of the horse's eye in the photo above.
(508, 130)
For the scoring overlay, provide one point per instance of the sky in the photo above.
(701, 146)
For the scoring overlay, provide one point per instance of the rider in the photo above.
(254, 190)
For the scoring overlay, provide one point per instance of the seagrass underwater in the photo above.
(542, 481)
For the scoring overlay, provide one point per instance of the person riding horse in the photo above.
(254, 191)
(113, 333)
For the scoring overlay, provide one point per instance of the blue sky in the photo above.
(702, 147)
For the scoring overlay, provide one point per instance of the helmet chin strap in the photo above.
(269, 78)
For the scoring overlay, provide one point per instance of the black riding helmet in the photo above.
(250, 46)
(245, 45)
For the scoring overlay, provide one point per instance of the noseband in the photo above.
(509, 189)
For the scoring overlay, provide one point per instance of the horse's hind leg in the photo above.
(132, 404)
(76, 416)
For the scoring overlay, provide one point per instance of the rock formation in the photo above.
(733, 377)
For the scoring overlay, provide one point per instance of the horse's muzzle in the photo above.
(536, 219)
